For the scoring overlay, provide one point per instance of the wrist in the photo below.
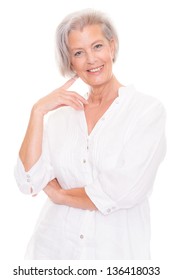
(62, 195)
(37, 112)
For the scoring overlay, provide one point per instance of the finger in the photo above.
(69, 82)
(79, 97)
(72, 102)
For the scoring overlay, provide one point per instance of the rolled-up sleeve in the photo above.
(144, 148)
(42, 172)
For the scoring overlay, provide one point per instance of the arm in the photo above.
(33, 170)
(31, 148)
(75, 197)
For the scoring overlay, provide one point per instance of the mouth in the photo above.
(94, 70)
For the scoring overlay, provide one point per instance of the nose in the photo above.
(91, 58)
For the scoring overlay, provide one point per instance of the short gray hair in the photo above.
(77, 21)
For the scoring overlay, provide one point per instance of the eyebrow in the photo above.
(97, 41)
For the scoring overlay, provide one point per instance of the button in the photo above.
(27, 176)
(87, 144)
(103, 118)
(84, 160)
(108, 210)
(116, 101)
(28, 180)
(81, 236)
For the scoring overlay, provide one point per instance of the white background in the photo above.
(28, 71)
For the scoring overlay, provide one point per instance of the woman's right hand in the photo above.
(60, 97)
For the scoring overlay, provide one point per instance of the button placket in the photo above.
(84, 160)
(28, 178)
(87, 144)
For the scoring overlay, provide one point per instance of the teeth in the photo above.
(95, 70)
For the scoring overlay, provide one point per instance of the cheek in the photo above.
(76, 66)
(109, 59)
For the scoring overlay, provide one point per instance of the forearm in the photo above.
(77, 198)
(31, 147)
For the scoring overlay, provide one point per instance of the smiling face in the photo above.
(91, 55)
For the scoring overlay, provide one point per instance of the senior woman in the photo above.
(96, 157)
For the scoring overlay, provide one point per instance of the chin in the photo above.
(98, 82)
(93, 80)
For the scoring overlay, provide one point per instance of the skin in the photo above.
(91, 57)
(91, 50)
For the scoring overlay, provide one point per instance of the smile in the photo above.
(95, 69)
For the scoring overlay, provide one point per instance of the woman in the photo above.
(96, 158)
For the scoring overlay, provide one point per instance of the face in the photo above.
(91, 55)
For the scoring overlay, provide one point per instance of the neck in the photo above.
(104, 93)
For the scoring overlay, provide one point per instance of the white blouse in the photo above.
(116, 164)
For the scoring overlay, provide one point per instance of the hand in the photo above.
(61, 97)
(75, 197)
(53, 191)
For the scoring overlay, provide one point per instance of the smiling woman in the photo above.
(96, 158)
(77, 22)
(91, 54)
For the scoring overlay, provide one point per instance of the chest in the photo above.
(78, 150)
(93, 114)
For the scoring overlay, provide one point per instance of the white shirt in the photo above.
(117, 165)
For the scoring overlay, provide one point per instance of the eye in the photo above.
(78, 53)
(98, 46)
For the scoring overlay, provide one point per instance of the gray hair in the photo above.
(77, 21)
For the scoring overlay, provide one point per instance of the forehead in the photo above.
(87, 35)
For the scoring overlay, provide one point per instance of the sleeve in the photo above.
(130, 183)
(42, 172)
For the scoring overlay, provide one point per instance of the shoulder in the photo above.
(142, 103)
(145, 113)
